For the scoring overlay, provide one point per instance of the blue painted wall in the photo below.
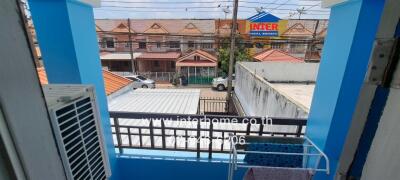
(351, 33)
(67, 39)
(160, 169)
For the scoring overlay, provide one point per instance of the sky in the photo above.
(208, 9)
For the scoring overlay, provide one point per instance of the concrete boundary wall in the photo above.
(259, 98)
(284, 71)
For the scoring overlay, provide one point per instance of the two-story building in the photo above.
(156, 43)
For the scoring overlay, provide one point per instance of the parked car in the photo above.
(141, 82)
(221, 83)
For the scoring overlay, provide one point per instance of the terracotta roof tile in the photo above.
(206, 26)
(201, 53)
(159, 56)
(275, 55)
(156, 29)
(209, 60)
(112, 82)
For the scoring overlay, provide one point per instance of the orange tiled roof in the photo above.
(121, 28)
(208, 61)
(297, 30)
(199, 52)
(156, 29)
(112, 82)
(275, 55)
(190, 29)
(159, 56)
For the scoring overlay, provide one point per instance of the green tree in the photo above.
(241, 54)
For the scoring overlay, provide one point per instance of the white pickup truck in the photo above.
(221, 83)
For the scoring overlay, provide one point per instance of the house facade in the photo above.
(160, 42)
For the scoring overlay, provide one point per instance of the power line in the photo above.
(203, 7)
(196, 2)
(193, 11)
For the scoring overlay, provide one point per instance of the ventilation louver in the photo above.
(75, 121)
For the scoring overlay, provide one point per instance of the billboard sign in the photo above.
(264, 24)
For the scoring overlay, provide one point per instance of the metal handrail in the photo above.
(233, 163)
(215, 136)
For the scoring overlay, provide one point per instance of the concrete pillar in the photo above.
(351, 33)
(67, 37)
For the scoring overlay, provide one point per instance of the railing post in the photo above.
(211, 139)
(248, 129)
(117, 133)
(163, 134)
(151, 129)
(299, 129)
(198, 139)
(260, 132)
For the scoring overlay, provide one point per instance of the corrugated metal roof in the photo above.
(180, 101)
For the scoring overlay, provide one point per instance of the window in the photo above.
(174, 44)
(172, 65)
(206, 45)
(191, 44)
(275, 45)
(156, 64)
(133, 79)
(108, 42)
(141, 78)
(196, 58)
(158, 44)
(142, 45)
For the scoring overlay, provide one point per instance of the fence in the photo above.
(168, 132)
(156, 76)
(213, 105)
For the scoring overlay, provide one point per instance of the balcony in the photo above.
(189, 145)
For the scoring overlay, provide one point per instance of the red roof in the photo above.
(206, 59)
(159, 56)
(275, 55)
(112, 82)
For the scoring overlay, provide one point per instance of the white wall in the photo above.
(258, 98)
(284, 71)
(22, 102)
(383, 160)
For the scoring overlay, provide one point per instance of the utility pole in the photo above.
(232, 51)
(133, 65)
(311, 47)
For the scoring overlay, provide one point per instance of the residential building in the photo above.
(199, 66)
(160, 41)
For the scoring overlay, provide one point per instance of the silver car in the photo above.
(221, 83)
(141, 82)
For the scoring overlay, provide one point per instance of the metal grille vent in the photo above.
(79, 137)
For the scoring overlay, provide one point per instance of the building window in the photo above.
(142, 45)
(156, 63)
(197, 58)
(174, 44)
(206, 45)
(108, 42)
(158, 44)
(191, 44)
(172, 65)
(275, 45)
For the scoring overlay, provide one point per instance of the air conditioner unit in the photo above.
(76, 124)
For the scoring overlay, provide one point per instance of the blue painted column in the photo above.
(351, 33)
(67, 39)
